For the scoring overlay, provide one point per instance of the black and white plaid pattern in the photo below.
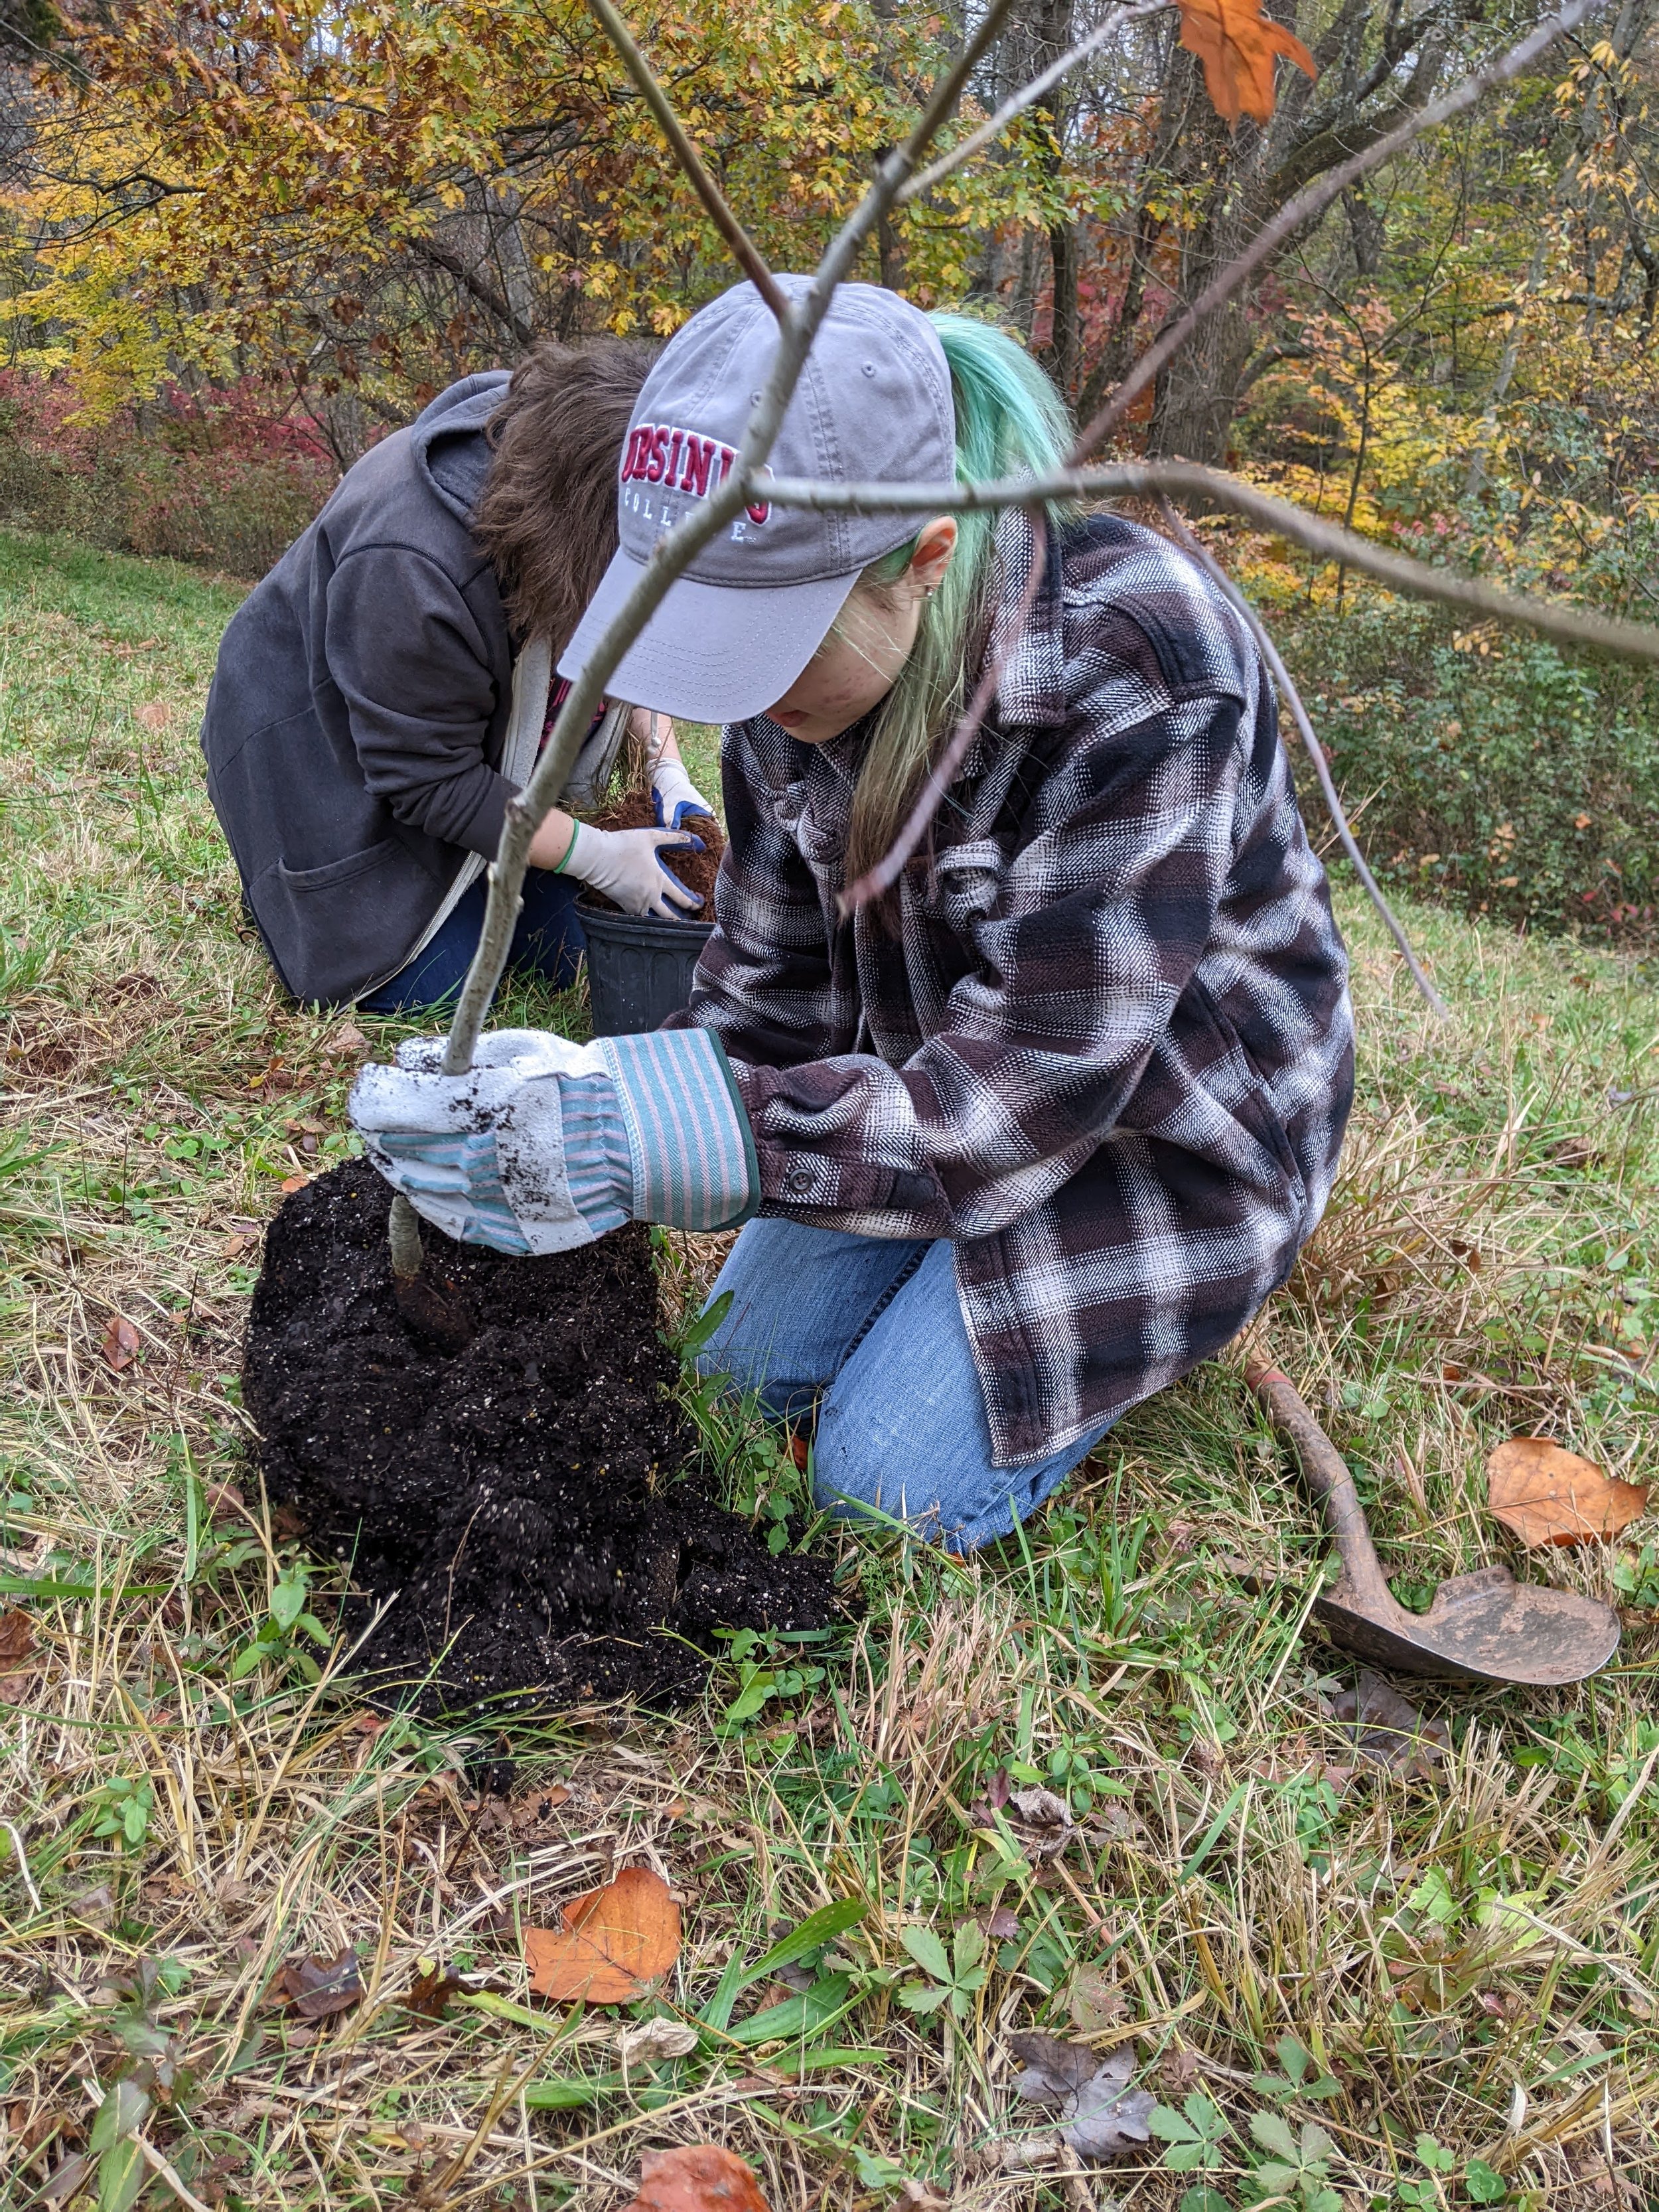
(1108, 1051)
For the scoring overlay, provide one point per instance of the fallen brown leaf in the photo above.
(122, 1343)
(1389, 1729)
(649, 2039)
(529, 1812)
(65, 2178)
(697, 2178)
(1043, 1822)
(154, 714)
(1548, 1496)
(614, 1940)
(1177, 2071)
(1100, 2116)
(429, 1992)
(16, 1638)
(1094, 2001)
(1001, 1924)
(225, 1497)
(318, 1988)
(291, 1183)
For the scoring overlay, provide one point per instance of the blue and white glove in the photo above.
(673, 795)
(627, 866)
(544, 1146)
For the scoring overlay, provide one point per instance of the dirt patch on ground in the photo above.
(696, 870)
(517, 1495)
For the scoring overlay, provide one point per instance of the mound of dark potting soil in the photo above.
(515, 1497)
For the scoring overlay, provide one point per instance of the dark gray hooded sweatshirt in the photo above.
(353, 733)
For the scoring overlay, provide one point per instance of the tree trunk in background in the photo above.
(1051, 33)
(1375, 65)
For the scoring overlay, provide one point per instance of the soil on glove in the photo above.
(696, 870)
(516, 1496)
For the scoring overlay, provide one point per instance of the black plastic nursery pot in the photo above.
(639, 968)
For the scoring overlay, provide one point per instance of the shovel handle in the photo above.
(1326, 1473)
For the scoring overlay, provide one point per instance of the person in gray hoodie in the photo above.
(357, 729)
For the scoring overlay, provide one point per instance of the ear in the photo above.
(936, 543)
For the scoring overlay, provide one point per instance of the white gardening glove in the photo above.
(674, 795)
(451, 1143)
(544, 1145)
(627, 866)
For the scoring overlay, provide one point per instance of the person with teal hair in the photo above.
(1017, 1144)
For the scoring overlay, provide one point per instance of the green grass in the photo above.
(1462, 1967)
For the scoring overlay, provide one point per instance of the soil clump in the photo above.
(517, 1498)
(632, 810)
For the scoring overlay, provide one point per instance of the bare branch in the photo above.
(1281, 675)
(744, 251)
(1214, 487)
(673, 554)
(670, 557)
(479, 286)
(1027, 95)
(888, 869)
(1313, 202)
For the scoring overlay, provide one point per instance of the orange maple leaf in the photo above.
(1236, 42)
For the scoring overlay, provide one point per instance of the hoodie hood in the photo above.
(446, 442)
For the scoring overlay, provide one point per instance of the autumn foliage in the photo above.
(241, 242)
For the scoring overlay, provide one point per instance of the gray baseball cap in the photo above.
(873, 405)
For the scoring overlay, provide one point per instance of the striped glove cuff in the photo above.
(689, 1144)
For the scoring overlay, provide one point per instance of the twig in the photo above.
(1027, 96)
(744, 251)
(436, 2187)
(1313, 202)
(23, 1865)
(1270, 652)
(673, 554)
(1074, 2180)
(890, 866)
(1149, 479)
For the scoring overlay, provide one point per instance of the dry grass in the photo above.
(1470, 1957)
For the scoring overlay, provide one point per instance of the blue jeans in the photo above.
(548, 942)
(869, 1328)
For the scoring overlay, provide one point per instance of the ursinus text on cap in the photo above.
(873, 405)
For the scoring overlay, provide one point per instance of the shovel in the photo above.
(1483, 1627)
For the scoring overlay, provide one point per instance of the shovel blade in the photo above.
(1483, 1627)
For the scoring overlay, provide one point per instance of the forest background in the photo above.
(238, 242)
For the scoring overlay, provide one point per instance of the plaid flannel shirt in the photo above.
(1108, 1051)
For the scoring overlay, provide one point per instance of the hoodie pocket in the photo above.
(329, 928)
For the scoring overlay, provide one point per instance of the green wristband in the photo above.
(575, 832)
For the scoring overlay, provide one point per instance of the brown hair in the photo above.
(546, 520)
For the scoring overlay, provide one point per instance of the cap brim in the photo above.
(712, 652)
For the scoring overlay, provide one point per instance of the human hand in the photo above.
(482, 1156)
(544, 1145)
(673, 795)
(627, 866)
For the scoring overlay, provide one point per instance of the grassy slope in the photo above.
(1472, 1956)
